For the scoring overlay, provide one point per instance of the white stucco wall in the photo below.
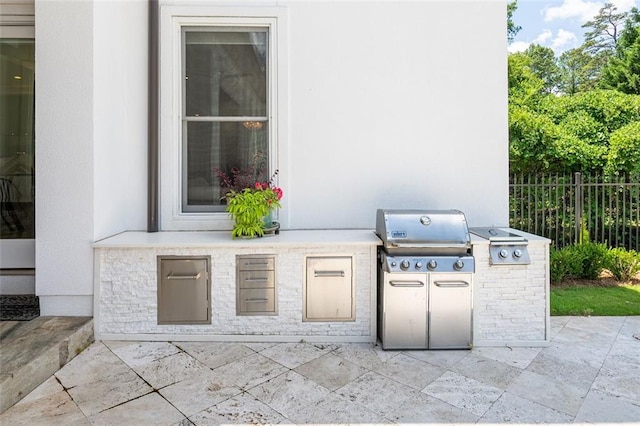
(120, 116)
(64, 156)
(397, 105)
(90, 140)
(388, 105)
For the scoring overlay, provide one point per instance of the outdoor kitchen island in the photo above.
(510, 302)
(126, 292)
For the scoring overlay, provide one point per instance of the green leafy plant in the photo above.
(623, 264)
(563, 263)
(584, 260)
(250, 206)
(249, 199)
(592, 259)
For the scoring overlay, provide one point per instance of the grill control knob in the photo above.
(517, 253)
(458, 265)
(404, 265)
(503, 253)
(432, 265)
(418, 265)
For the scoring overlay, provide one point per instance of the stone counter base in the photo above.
(127, 295)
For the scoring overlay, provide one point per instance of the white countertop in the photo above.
(293, 238)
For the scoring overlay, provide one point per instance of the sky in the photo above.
(557, 23)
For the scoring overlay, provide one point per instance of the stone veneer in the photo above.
(511, 303)
(126, 291)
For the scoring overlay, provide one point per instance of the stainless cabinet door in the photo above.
(183, 291)
(450, 311)
(404, 311)
(329, 291)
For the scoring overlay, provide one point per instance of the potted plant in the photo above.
(250, 202)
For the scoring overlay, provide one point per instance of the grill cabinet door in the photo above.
(329, 289)
(404, 311)
(183, 291)
(450, 311)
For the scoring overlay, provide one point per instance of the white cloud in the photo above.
(518, 46)
(582, 10)
(545, 36)
(563, 40)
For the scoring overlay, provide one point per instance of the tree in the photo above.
(578, 71)
(622, 72)
(512, 28)
(604, 30)
(544, 65)
(524, 85)
(624, 154)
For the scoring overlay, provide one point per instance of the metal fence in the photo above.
(564, 208)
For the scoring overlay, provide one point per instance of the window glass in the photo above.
(225, 122)
(17, 142)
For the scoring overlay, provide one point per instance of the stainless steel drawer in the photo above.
(256, 279)
(256, 285)
(255, 300)
(256, 263)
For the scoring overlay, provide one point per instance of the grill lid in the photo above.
(423, 231)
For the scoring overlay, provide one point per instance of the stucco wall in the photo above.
(396, 105)
(90, 140)
(388, 104)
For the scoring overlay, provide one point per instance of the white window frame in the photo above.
(172, 20)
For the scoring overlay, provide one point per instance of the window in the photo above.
(225, 121)
(220, 112)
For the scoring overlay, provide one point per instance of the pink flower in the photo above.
(278, 192)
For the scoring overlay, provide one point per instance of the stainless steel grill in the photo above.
(425, 271)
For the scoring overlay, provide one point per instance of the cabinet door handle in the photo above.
(184, 277)
(406, 283)
(325, 274)
(263, 299)
(450, 284)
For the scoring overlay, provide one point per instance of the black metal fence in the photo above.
(564, 208)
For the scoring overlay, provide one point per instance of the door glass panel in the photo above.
(17, 141)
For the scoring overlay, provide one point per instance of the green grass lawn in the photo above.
(597, 301)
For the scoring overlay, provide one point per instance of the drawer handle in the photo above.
(257, 279)
(325, 274)
(184, 277)
(406, 283)
(450, 284)
(264, 299)
(257, 264)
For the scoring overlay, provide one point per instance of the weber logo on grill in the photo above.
(398, 234)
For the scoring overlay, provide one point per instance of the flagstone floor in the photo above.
(589, 374)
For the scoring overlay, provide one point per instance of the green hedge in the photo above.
(588, 260)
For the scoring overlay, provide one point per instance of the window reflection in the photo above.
(17, 142)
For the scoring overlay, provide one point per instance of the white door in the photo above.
(17, 139)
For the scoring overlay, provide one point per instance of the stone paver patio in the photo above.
(589, 374)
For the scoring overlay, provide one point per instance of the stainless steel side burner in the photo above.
(505, 247)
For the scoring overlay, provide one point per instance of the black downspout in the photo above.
(152, 160)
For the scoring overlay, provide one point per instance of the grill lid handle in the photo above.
(456, 244)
